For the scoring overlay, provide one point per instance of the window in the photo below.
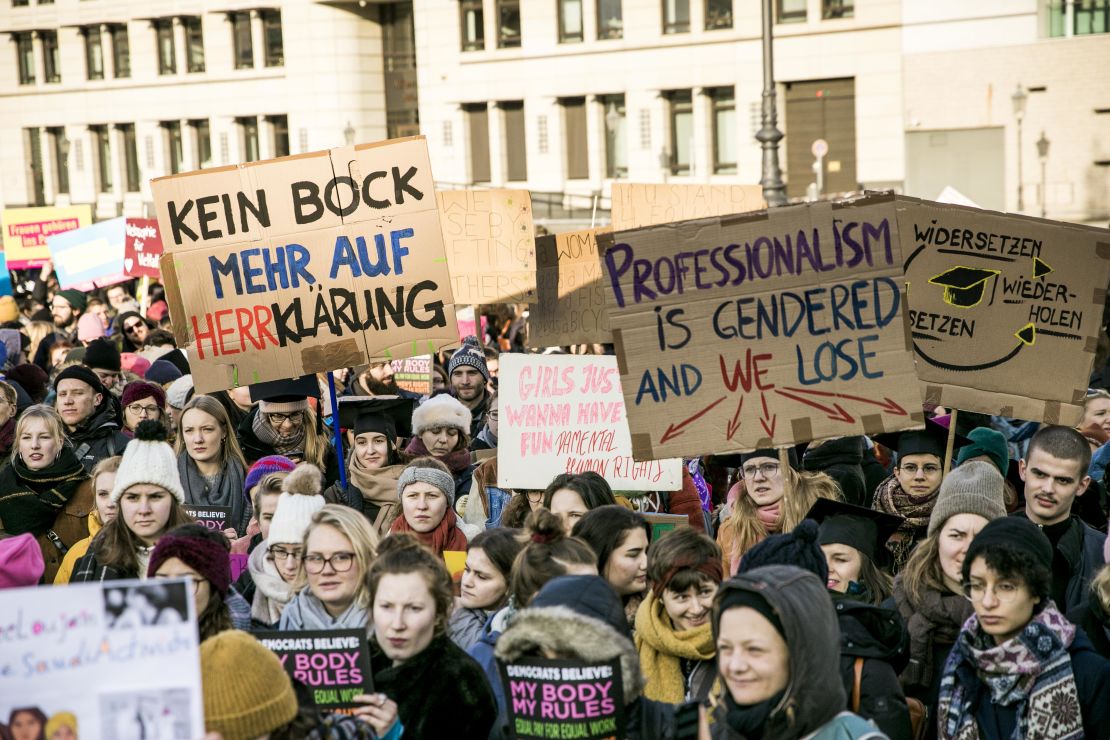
(616, 142)
(59, 151)
(574, 127)
(248, 129)
(175, 154)
(102, 151)
(609, 22)
(791, 11)
(241, 40)
(33, 144)
(508, 24)
(676, 16)
(1091, 16)
(194, 44)
(279, 125)
(682, 130)
(515, 150)
(130, 156)
(51, 70)
(570, 21)
(837, 9)
(718, 14)
(477, 128)
(724, 130)
(271, 36)
(94, 53)
(167, 61)
(20, 3)
(202, 143)
(25, 55)
(473, 33)
(121, 52)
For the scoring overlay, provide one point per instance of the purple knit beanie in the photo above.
(207, 553)
(265, 466)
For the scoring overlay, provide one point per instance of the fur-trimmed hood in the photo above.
(564, 632)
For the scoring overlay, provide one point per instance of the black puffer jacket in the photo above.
(99, 437)
(841, 459)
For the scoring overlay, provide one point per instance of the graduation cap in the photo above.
(291, 389)
(388, 415)
(964, 286)
(865, 529)
(932, 440)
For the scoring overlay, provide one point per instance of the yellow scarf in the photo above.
(661, 648)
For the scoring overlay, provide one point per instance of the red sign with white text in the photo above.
(142, 248)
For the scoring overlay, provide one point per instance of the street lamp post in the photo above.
(1042, 154)
(1018, 98)
(774, 189)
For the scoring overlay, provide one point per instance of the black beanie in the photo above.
(82, 373)
(102, 355)
(735, 597)
(798, 548)
(1018, 533)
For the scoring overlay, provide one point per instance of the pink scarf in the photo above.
(770, 516)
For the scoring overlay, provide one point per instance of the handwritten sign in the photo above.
(761, 330)
(488, 235)
(1005, 311)
(109, 658)
(563, 698)
(570, 302)
(27, 229)
(216, 518)
(414, 374)
(305, 264)
(91, 256)
(566, 414)
(333, 664)
(142, 248)
(638, 205)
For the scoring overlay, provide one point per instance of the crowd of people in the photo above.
(949, 582)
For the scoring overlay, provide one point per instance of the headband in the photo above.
(711, 567)
(432, 476)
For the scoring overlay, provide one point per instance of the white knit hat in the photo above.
(441, 411)
(148, 459)
(300, 498)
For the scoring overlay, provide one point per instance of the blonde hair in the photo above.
(270, 484)
(922, 571)
(107, 465)
(1100, 588)
(364, 542)
(315, 444)
(49, 416)
(36, 332)
(229, 449)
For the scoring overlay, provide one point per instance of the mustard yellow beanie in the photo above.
(247, 693)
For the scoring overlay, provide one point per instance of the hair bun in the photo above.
(806, 531)
(543, 527)
(151, 431)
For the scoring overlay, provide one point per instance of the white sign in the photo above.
(819, 148)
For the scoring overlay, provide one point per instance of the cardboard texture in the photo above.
(90, 256)
(663, 523)
(142, 248)
(1004, 310)
(27, 229)
(570, 302)
(636, 205)
(414, 374)
(305, 264)
(761, 330)
(565, 414)
(489, 238)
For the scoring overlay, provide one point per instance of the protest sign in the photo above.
(305, 264)
(27, 229)
(333, 664)
(414, 374)
(467, 325)
(5, 276)
(569, 307)
(566, 414)
(1005, 311)
(563, 698)
(142, 248)
(489, 239)
(107, 659)
(456, 562)
(89, 257)
(763, 329)
(216, 518)
(638, 205)
(663, 523)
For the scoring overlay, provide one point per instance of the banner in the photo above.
(112, 661)
(305, 264)
(563, 698)
(414, 374)
(5, 276)
(489, 239)
(27, 229)
(91, 256)
(570, 302)
(1005, 311)
(215, 518)
(333, 664)
(636, 205)
(565, 414)
(761, 330)
(142, 248)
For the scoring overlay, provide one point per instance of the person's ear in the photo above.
(1021, 468)
(1084, 485)
(98, 398)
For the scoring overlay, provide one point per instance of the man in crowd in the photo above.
(66, 308)
(102, 357)
(91, 415)
(118, 297)
(468, 376)
(375, 379)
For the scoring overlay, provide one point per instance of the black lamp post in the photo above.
(1018, 98)
(1042, 154)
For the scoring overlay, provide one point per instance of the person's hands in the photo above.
(231, 534)
(378, 710)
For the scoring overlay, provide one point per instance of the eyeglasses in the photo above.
(340, 562)
(492, 416)
(767, 470)
(197, 580)
(278, 419)
(139, 410)
(911, 469)
(281, 554)
(130, 328)
(1005, 592)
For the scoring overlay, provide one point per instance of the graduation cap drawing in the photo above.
(964, 286)
(285, 390)
(388, 415)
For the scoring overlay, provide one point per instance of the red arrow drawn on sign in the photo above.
(674, 430)
(766, 414)
(837, 413)
(734, 425)
(887, 404)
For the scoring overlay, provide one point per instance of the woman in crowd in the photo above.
(1094, 616)
(1095, 424)
(440, 691)
(427, 493)
(441, 426)
(103, 480)
(673, 636)
(620, 538)
(570, 495)
(283, 423)
(210, 463)
(27, 723)
(853, 539)
(9, 408)
(519, 507)
(193, 551)
(487, 437)
(1019, 668)
(45, 491)
(149, 496)
(485, 583)
(483, 506)
(339, 547)
(142, 400)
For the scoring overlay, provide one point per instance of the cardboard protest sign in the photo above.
(570, 303)
(414, 374)
(216, 518)
(563, 698)
(304, 264)
(488, 236)
(107, 660)
(663, 523)
(565, 414)
(638, 205)
(91, 256)
(761, 330)
(27, 229)
(467, 325)
(142, 248)
(1005, 311)
(333, 664)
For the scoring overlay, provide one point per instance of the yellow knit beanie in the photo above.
(60, 720)
(247, 693)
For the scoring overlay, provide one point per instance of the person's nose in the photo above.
(989, 601)
(736, 663)
(397, 624)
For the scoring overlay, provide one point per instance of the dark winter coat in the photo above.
(1079, 554)
(88, 569)
(1095, 622)
(842, 460)
(255, 449)
(99, 437)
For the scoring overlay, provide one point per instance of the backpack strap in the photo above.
(857, 669)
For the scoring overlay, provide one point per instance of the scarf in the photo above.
(30, 500)
(103, 421)
(227, 491)
(7, 435)
(891, 498)
(936, 619)
(1031, 670)
(378, 486)
(750, 721)
(306, 612)
(457, 461)
(770, 516)
(291, 445)
(661, 649)
(271, 593)
(446, 536)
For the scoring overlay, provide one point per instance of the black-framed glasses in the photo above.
(767, 470)
(280, 554)
(341, 562)
(912, 468)
(278, 419)
(140, 410)
(197, 580)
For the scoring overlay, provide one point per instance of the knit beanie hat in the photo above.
(180, 391)
(82, 373)
(74, 298)
(60, 720)
(434, 475)
(976, 487)
(32, 377)
(21, 562)
(798, 548)
(1015, 531)
(133, 363)
(138, 390)
(148, 459)
(102, 355)
(300, 498)
(265, 466)
(9, 309)
(470, 353)
(89, 327)
(986, 441)
(247, 692)
(206, 552)
(443, 410)
(76, 354)
(283, 406)
(162, 372)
